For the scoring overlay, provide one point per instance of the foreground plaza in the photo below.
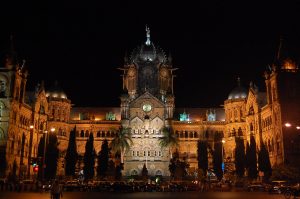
(90, 195)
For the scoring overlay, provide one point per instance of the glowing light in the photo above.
(54, 95)
(223, 141)
(52, 129)
(287, 124)
(298, 127)
(31, 126)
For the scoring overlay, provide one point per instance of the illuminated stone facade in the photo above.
(147, 105)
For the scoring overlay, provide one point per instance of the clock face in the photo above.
(147, 107)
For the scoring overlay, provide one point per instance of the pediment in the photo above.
(157, 121)
(146, 97)
(251, 101)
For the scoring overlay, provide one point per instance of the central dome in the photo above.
(147, 53)
(238, 92)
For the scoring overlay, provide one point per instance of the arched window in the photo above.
(186, 134)
(112, 134)
(240, 132)
(87, 134)
(206, 134)
(195, 134)
(158, 173)
(82, 133)
(191, 134)
(134, 173)
(98, 134)
(2, 135)
(103, 134)
(251, 127)
(233, 132)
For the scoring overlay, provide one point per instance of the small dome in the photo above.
(238, 92)
(56, 92)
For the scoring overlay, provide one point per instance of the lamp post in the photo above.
(223, 164)
(30, 149)
(44, 154)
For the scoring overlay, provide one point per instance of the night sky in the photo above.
(82, 44)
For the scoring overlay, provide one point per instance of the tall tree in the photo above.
(103, 158)
(247, 157)
(118, 172)
(202, 155)
(252, 170)
(89, 158)
(145, 172)
(264, 163)
(122, 142)
(41, 156)
(239, 157)
(173, 164)
(3, 160)
(22, 156)
(111, 169)
(169, 139)
(51, 157)
(71, 155)
(217, 160)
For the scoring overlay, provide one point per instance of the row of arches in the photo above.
(109, 134)
(234, 132)
(194, 134)
(24, 121)
(267, 122)
(59, 113)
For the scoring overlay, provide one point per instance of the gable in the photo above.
(146, 97)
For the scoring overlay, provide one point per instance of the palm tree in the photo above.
(122, 142)
(169, 139)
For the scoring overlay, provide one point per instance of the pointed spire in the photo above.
(170, 59)
(42, 85)
(10, 60)
(126, 57)
(148, 42)
(279, 48)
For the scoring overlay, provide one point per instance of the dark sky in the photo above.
(82, 44)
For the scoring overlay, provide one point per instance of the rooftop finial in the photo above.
(148, 42)
(239, 81)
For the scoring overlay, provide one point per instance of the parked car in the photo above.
(256, 187)
(72, 186)
(278, 186)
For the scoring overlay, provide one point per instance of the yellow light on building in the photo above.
(287, 124)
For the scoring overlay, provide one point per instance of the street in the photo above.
(144, 195)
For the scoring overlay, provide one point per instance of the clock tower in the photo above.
(147, 105)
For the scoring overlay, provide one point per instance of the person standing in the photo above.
(56, 190)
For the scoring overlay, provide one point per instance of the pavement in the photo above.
(143, 195)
